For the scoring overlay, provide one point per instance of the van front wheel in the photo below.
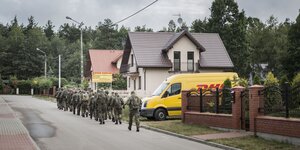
(160, 114)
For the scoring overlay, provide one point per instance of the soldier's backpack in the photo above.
(118, 102)
(135, 103)
(85, 97)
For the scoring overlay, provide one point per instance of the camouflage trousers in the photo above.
(118, 115)
(101, 115)
(84, 109)
(136, 114)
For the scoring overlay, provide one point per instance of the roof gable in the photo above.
(177, 36)
(102, 60)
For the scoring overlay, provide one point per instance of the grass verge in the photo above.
(178, 127)
(255, 143)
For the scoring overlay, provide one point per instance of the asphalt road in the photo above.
(53, 129)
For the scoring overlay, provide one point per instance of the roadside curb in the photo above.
(21, 130)
(190, 138)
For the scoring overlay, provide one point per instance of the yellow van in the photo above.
(166, 99)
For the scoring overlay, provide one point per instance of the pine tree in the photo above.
(293, 60)
(231, 24)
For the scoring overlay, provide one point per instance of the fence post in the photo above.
(286, 91)
(236, 107)
(184, 104)
(255, 102)
(201, 100)
(217, 100)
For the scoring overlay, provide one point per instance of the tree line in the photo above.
(249, 41)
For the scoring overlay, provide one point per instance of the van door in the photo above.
(172, 99)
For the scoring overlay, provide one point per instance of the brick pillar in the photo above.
(184, 103)
(236, 107)
(255, 102)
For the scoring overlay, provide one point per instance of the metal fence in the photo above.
(281, 101)
(211, 100)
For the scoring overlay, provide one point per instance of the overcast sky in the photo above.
(157, 16)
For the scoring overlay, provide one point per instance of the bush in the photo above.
(55, 81)
(283, 80)
(24, 84)
(272, 96)
(13, 81)
(41, 82)
(45, 83)
(256, 80)
(119, 82)
(226, 96)
(1, 85)
(295, 103)
(84, 84)
(296, 80)
(239, 82)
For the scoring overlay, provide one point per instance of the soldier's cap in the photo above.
(106, 92)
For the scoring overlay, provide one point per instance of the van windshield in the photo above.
(160, 89)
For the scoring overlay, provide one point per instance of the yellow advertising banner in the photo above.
(102, 78)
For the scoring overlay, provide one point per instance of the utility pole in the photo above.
(45, 69)
(59, 71)
(81, 47)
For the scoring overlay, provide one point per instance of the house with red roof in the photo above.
(101, 65)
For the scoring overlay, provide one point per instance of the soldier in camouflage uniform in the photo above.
(101, 106)
(90, 104)
(106, 105)
(74, 101)
(84, 104)
(69, 99)
(64, 99)
(79, 101)
(134, 104)
(110, 107)
(95, 106)
(57, 95)
(117, 104)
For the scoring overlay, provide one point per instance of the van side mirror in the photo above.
(166, 94)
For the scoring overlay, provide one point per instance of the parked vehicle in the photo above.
(166, 99)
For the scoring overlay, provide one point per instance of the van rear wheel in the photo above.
(160, 114)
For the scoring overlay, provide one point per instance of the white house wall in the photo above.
(184, 45)
(154, 77)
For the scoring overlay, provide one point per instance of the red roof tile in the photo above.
(101, 60)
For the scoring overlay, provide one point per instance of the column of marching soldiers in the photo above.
(101, 105)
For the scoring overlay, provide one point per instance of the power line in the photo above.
(135, 13)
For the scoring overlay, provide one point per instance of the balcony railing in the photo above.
(185, 67)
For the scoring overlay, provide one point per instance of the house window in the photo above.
(140, 82)
(177, 61)
(134, 84)
(131, 60)
(190, 61)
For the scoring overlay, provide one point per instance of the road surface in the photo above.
(53, 129)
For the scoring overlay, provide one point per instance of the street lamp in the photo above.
(45, 61)
(81, 48)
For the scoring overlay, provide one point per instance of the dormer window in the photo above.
(177, 61)
(190, 61)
